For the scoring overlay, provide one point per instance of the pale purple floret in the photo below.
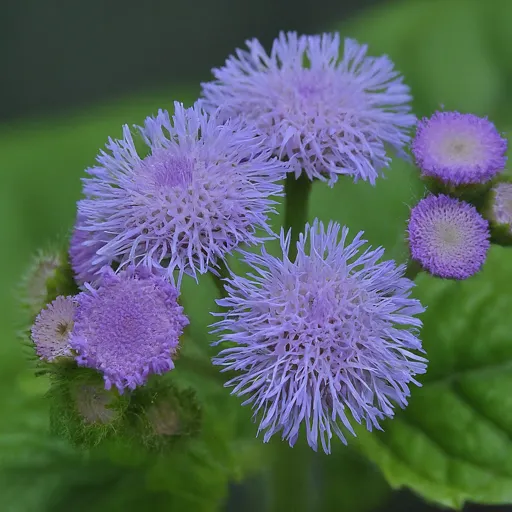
(203, 189)
(459, 149)
(52, 329)
(128, 328)
(82, 251)
(502, 204)
(322, 340)
(448, 237)
(328, 113)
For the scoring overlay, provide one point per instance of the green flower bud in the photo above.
(33, 290)
(164, 415)
(83, 411)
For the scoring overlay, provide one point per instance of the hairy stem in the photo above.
(297, 192)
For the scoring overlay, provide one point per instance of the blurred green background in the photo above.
(455, 54)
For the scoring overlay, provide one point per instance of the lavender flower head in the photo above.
(203, 189)
(327, 337)
(328, 114)
(128, 328)
(502, 204)
(52, 329)
(448, 237)
(459, 149)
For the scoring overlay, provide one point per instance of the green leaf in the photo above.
(453, 443)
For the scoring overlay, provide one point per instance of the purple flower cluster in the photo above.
(448, 237)
(327, 112)
(127, 328)
(320, 340)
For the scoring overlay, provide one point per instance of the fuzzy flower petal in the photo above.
(203, 189)
(52, 328)
(82, 251)
(328, 114)
(448, 237)
(326, 338)
(128, 328)
(502, 204)
(459, 149)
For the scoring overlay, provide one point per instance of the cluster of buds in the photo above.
(461, 158)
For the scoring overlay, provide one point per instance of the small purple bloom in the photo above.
(448, 237)
(328, 114)
(502, 204)
(203, 189)
(52, 328)
(459, 149)
(128, 328)
(327, 337)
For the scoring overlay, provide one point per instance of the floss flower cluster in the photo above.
(127, 328)
(323, 336)
(461, 156)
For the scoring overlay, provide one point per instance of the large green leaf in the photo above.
(453, 443)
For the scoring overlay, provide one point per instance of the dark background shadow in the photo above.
(62, 53)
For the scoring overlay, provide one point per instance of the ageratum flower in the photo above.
(203, 189)
(52, 329)
(328, 114)
(448, 237)
(320, 340)
(459, 149)
(128, 328)
(502, 204)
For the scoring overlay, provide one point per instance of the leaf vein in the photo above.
(475, 406)
(449, 453)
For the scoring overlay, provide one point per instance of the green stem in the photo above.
(297, 192)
